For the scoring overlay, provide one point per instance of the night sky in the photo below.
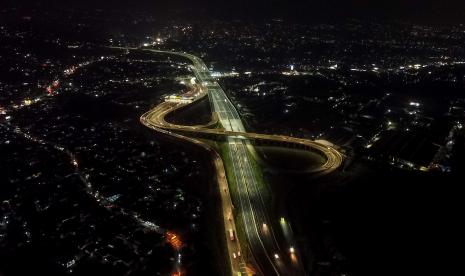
(434, 11)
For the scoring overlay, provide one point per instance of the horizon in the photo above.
(428, 12)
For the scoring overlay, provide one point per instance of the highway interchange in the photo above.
(272, 255)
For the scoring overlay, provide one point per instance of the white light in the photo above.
(276, 256)
(292, 250)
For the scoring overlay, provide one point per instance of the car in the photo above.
(232, 236)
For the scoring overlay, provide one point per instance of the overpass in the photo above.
(155, 118)
(268, 256)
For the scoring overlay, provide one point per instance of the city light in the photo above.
(110, 134)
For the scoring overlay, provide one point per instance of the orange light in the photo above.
(174, 240)
(293, 258)
(179, 272)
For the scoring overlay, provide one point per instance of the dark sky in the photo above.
(435, 11)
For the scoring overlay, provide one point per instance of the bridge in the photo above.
(155, 118)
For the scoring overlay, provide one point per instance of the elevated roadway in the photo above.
(270, 252)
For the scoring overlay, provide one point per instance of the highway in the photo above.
(237, 263)
(155, 118)
(269, 246)
(252, 206)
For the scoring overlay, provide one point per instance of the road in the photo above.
(270, 250)
(254, 211)
(156, 118)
